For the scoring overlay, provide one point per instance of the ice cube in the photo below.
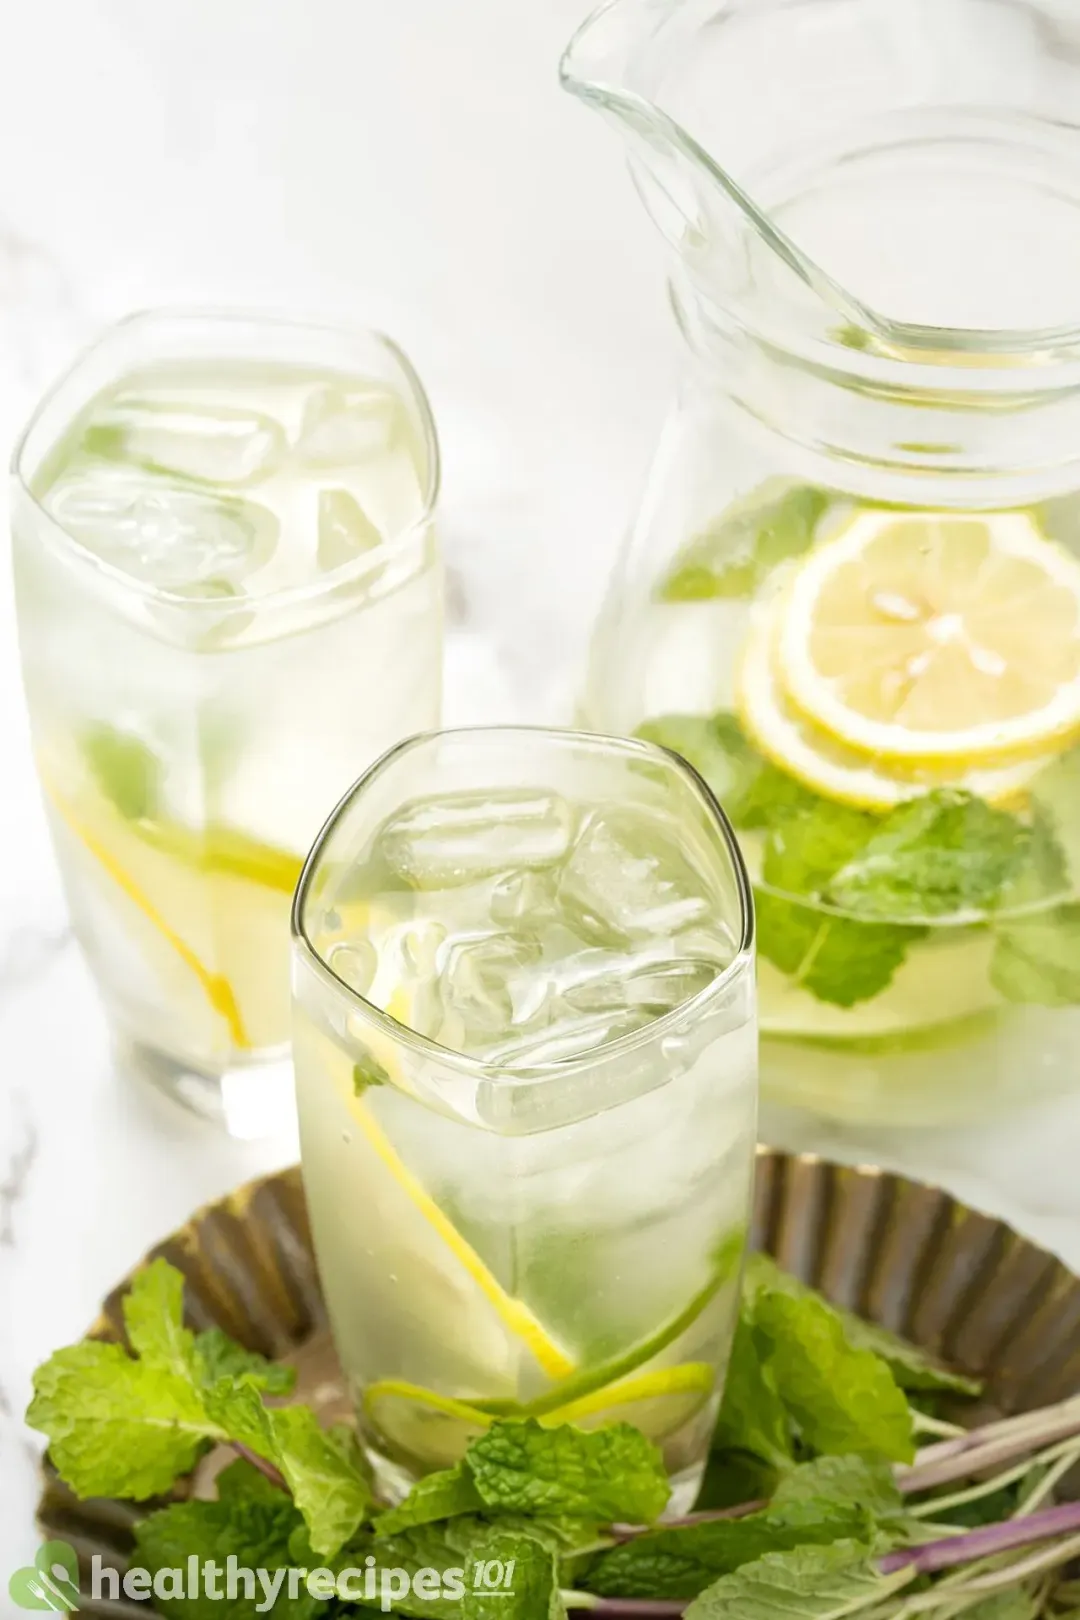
(482, 980)
(345, 426)
(518, 895)
(208, 629)
(654, 982)
(345, 530)
(354, 965)
(566, 1037)
(627, 879)
(160, 532)
(461, 837)
(217, 444)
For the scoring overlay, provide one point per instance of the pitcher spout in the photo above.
(629, 61)
(772, 138)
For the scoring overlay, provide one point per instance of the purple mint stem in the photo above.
(989, 1539)
(266, 1469)
(991, 1445)
(630, 1532)
(636, 1609)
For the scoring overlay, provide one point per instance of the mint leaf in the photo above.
(120, 1426)
(681, 1563)
(154, 1319)
(735, 554)
(368, 1072)
(448, 1548)
(1056, 794)
(326, 1472)
(528, 1581)
(217, 1356)
(912, 1368)
(242, 1478)
(840, 1482)
(805, 852)
(943, 854)
(752, 1417)
(1037, 958)
(843, 1400)
(837, 958)
(252, 1529)
(733, 1478)
(605, 1474)
(810, 1583)
(125, 769)
(440, 1496)
(324, 1469)
(115, 1426)
(752, 791)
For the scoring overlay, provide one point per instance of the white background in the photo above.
(409, 164)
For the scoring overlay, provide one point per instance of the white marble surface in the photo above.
(411, 166)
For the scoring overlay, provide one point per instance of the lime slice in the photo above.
(428, 1430)
(658, 1403)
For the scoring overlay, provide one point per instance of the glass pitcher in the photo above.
(852, 595)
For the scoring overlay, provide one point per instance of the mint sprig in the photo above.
(843, 895)
(838, 1536)
(841, 1398)
(129, 1426)
(943, 855)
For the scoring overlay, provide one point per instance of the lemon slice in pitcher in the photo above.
(831, 768)
(936, 637)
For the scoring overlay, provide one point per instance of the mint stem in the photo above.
(624, 1608)
(266, 1469)
(984, 1542)
(630, 1532)
(989, 1447)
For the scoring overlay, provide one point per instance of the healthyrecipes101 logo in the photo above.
(52, 1583)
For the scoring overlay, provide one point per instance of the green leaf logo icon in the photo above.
(51, 1583)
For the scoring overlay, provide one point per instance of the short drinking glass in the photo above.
(229, 600)
(525, 1049)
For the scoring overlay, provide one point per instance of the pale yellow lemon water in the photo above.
(524, 1200)
(229, 601)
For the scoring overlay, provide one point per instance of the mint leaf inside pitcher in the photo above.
(735, 553)
(843, 894)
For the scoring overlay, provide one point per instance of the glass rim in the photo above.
(286, 596)
(426, 1048)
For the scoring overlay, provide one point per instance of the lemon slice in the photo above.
(775, 726)
(515, 1315)
(936, 636)
(209, 914)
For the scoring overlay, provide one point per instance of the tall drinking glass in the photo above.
(525, 1051)
(230, 600)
